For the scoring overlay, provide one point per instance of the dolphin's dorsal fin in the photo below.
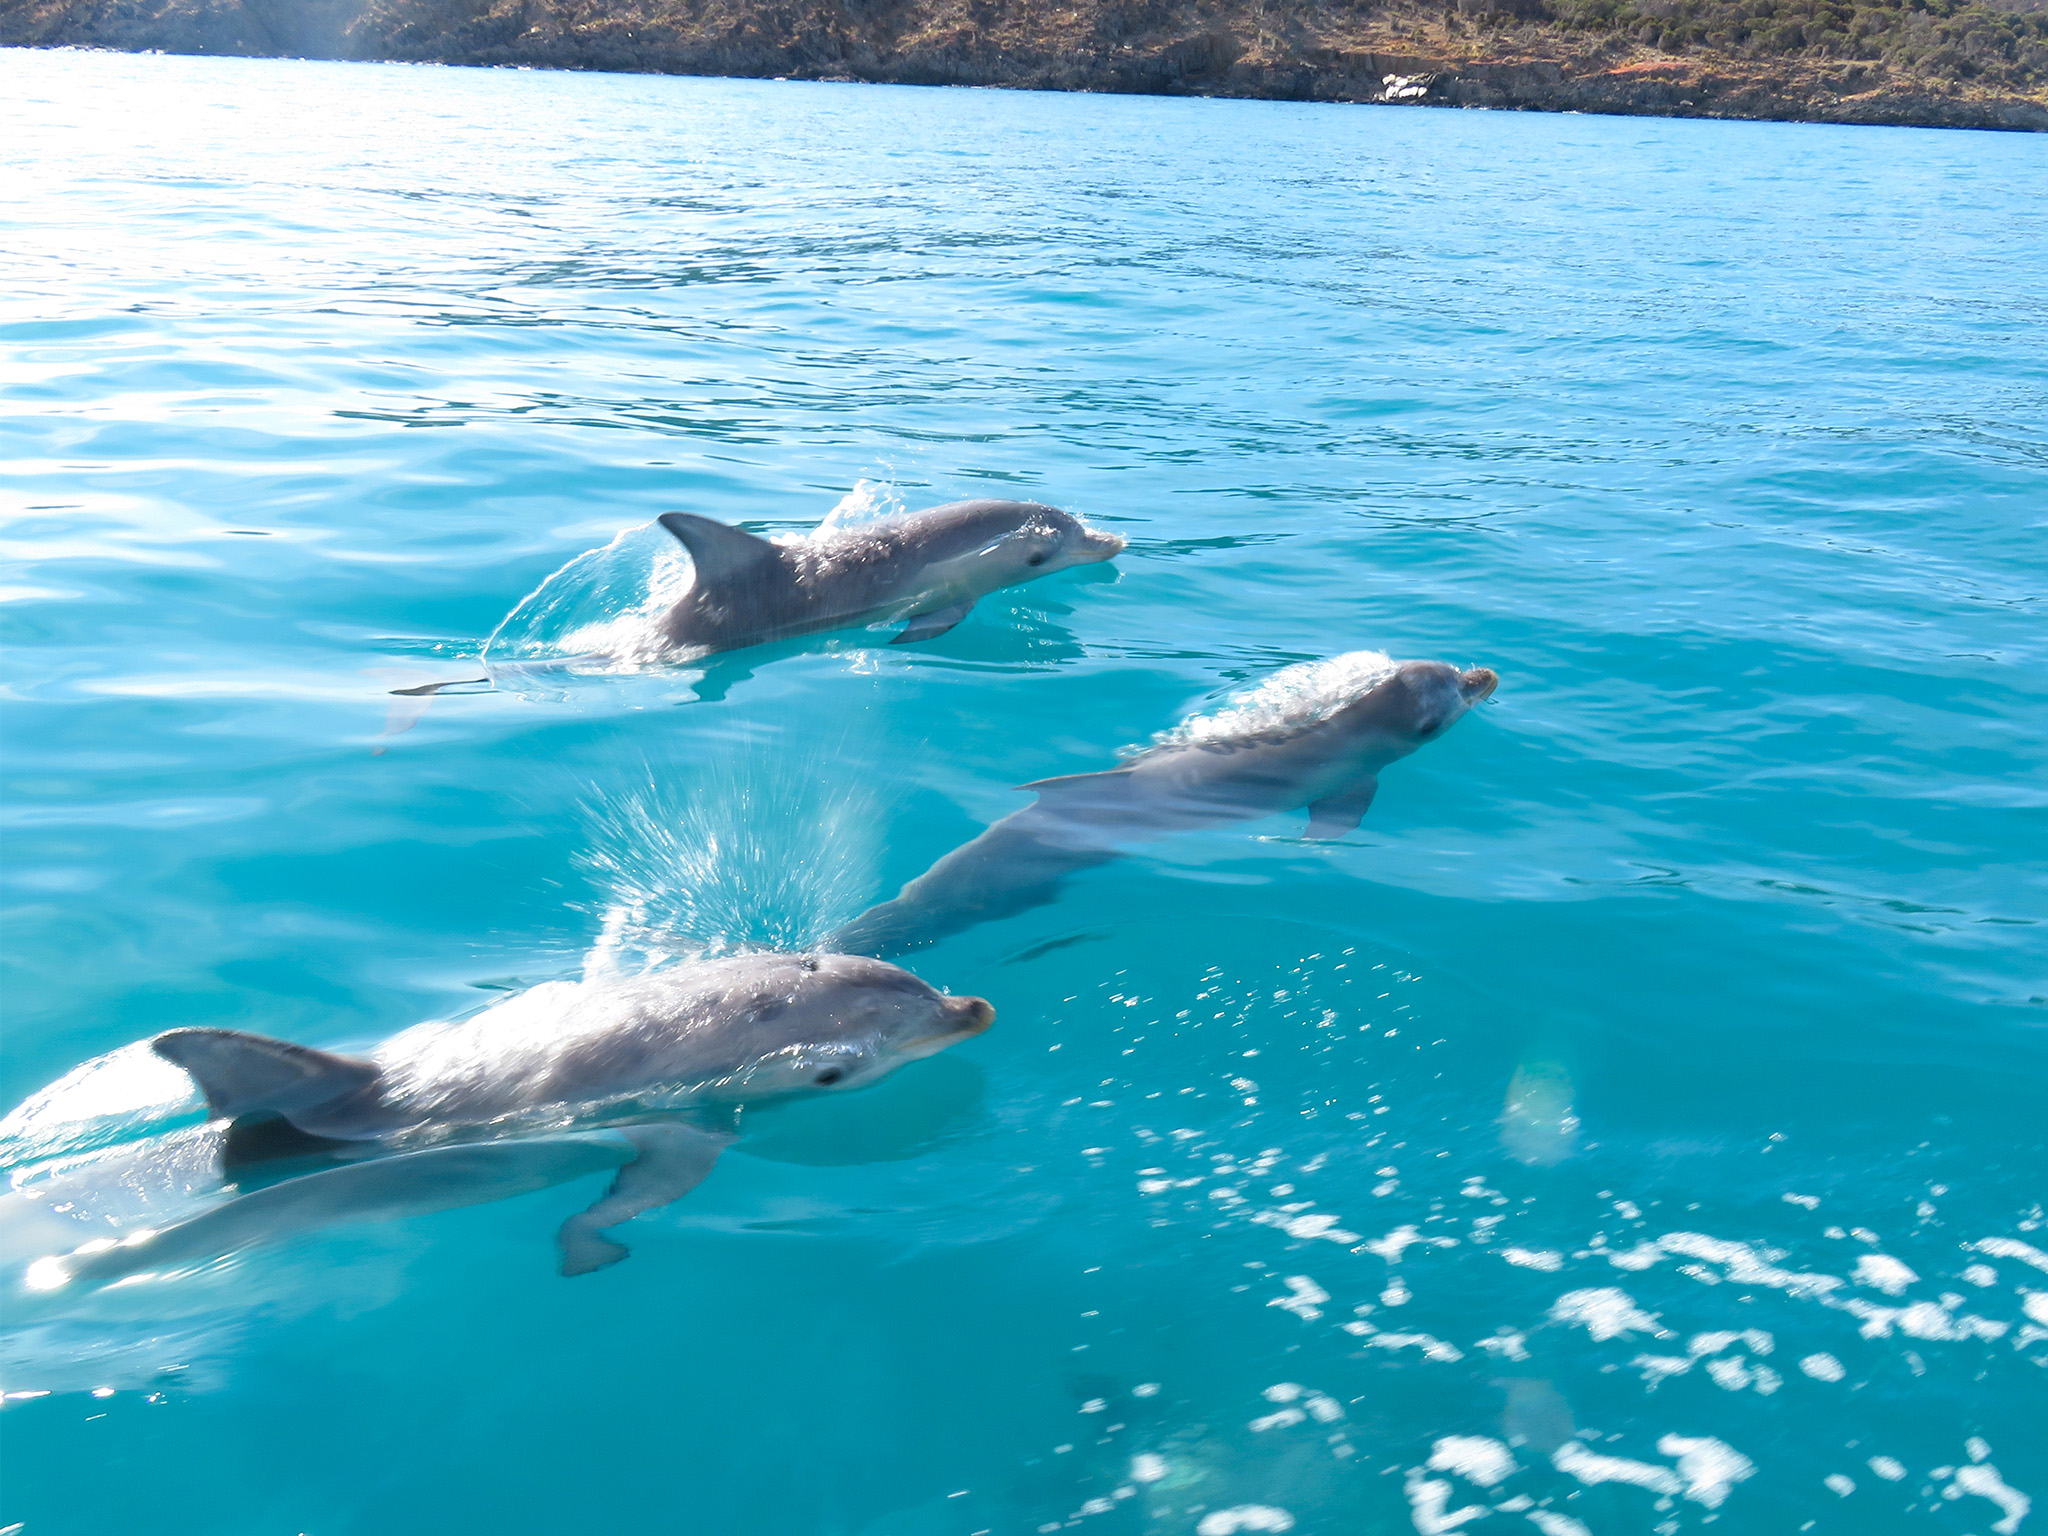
(719, 552)
(251, 1074)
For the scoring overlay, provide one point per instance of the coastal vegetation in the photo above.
(1962, 63)
(1956, 41)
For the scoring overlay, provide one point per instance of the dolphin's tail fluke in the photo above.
(497, 673)
(882, 932)
(406, 1184)
(428, 690)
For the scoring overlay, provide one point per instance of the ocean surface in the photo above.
(1636, 1126)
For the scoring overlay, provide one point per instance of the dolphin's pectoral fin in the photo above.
(929, 626)
(719, 553)
(243, 1074)
(673, 1160)
(584, 1250)
(1341, 812)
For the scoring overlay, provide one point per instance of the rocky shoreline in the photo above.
(1401, 54)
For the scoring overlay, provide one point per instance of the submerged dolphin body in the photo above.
(929, 567)
(643, 1075)
(1315, 735)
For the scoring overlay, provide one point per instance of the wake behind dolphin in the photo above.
(644, 1075)
(1314, 735)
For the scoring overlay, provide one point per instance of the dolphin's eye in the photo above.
(828, 1077)
(1037, 559)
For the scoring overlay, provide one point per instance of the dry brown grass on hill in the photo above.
(1959, 63)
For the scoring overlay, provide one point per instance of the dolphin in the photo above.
(1315, 735)
(643, 1075)
(928, 568)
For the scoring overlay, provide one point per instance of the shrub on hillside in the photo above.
(1956, 40)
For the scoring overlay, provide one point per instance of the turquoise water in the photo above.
(1636, 1123)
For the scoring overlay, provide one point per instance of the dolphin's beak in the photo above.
(971, 1014)
(1097, 545)
(1479, 684)
(964, 1018)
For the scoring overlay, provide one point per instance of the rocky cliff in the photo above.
(1952, 63)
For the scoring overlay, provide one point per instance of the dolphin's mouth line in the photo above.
(931, 1045)
(970, 1016)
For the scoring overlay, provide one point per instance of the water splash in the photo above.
(602, 607)
(870, 501)
(1293, 697)
(114, 1098)
(754, 851)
